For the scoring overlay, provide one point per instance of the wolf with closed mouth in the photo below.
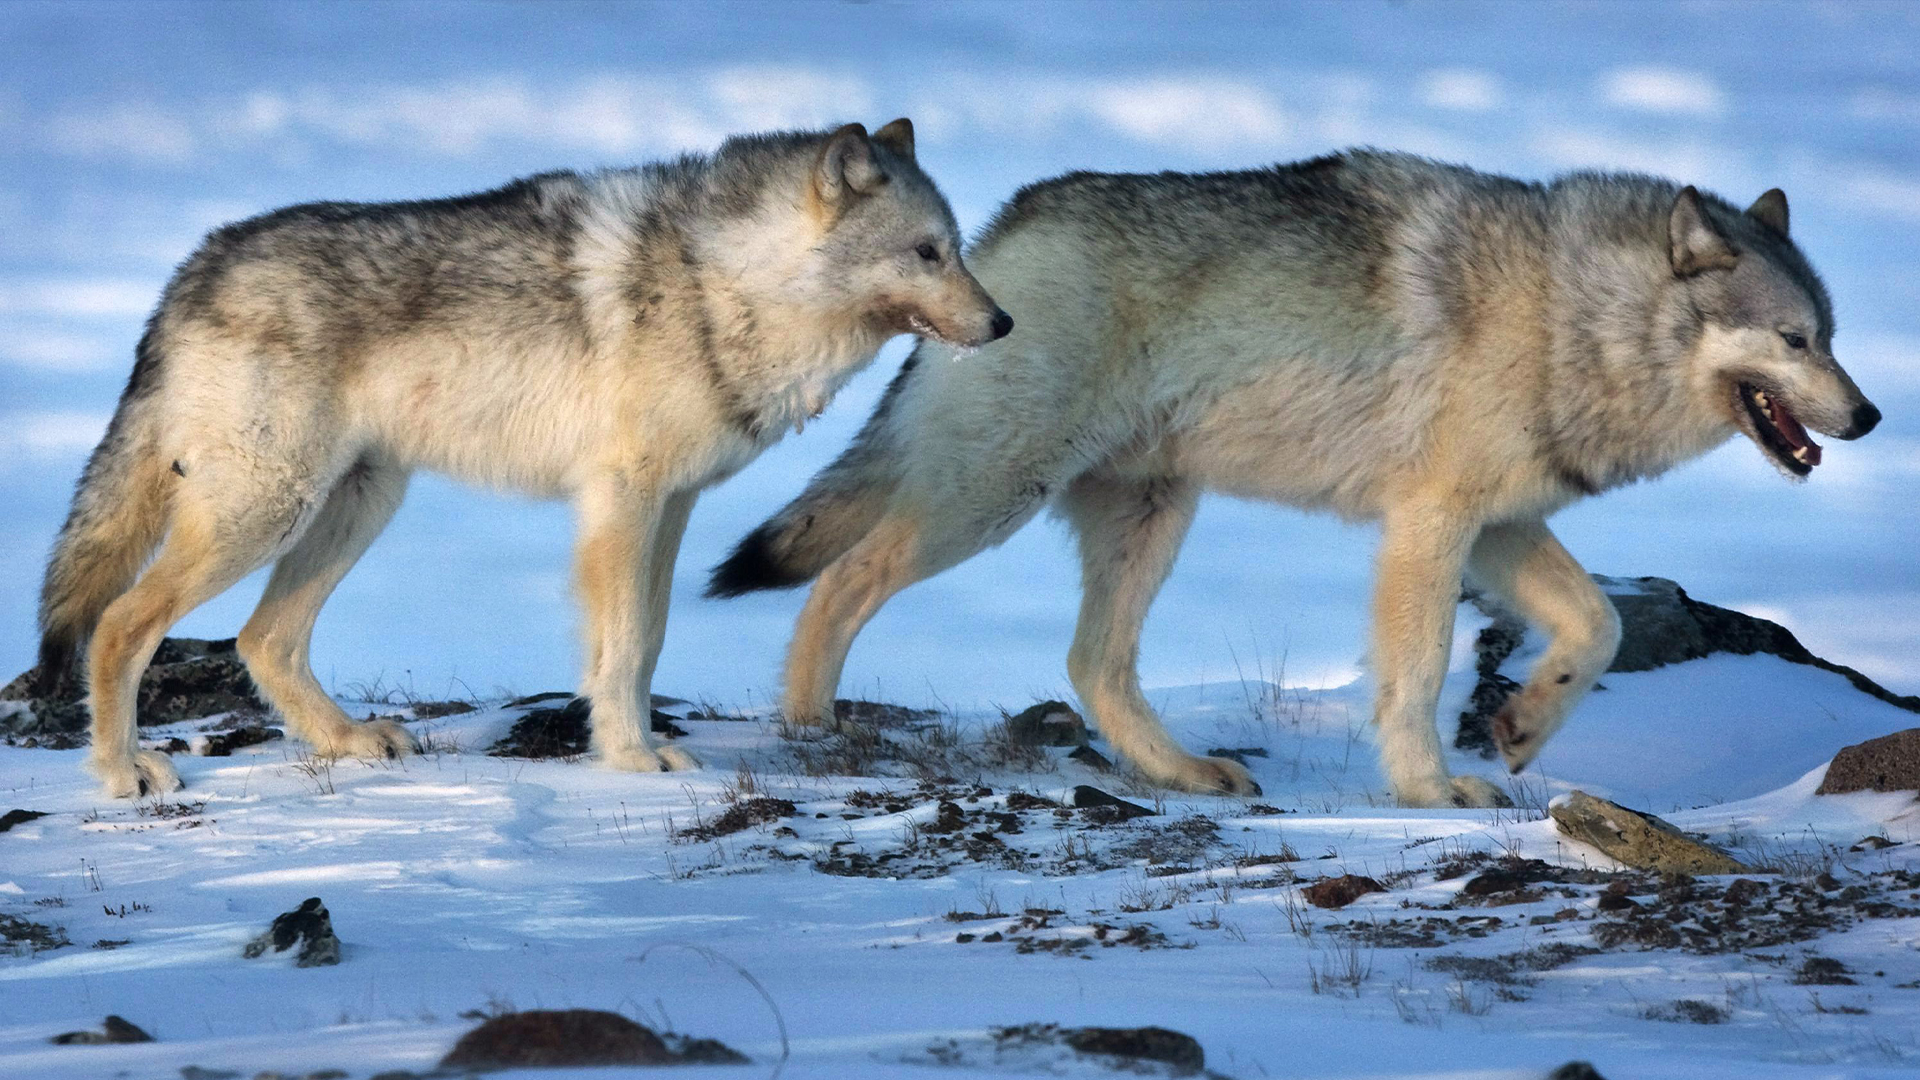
(1451, 354)
(624, 338)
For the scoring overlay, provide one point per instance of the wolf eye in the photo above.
(1795, 341)
(927, 252)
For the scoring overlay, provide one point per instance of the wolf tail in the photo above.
(119, 514)
(839, 506)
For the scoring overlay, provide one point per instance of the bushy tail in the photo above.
(839, 506)
(119, 516)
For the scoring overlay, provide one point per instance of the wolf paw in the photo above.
(1221, 776)
(1473, 791)
(145, 772)
(1517, 736)
(379, 739)
(646, 759)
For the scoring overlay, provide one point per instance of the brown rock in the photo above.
(1178, 1050)
(1050, 723)
(1889, 763)
(1639, 840)
(1338, 892)
(552, 1037)
(116, 1031)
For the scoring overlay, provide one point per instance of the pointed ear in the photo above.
(1693, 243)
(897, 137)
(846, 166)
(1771, 210)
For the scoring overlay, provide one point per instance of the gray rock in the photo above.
(1888, 763)
(1639, 840)
(189, 678)
(116, 1030)
(1050, 723)
(1659, 625)
(308, 926)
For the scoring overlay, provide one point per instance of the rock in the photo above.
(562, 1037)
(879, 714)
(1639, 840)
(1092, 758)
(1111, 807)
(1144, 1051)
(195, 1072)
(116, 1030)
(19, 817)
(1888, 763)
(1338, 892)
(189, 678)
(434, 710)
(1181, 1051)
(1050, 723)
(564, 732)
(1575, 1070)
(742, 815)
(1659, 625)
(310, 927)
(223, 744)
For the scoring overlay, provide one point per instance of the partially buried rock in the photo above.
(224, 743)
(1639, 840)
(116, 1031)
(1105, 809)
(1888, 763)
(308, 926)
(1575, 1070)
(1338, 892)
(1143, 1051)
(545, 1038)
(188, 679)
(19, 817)
(1050, 723)
(561, 732)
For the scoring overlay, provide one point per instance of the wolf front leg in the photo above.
(1130, 531)
(1523, 565)
(621, 524)
(1423, 551)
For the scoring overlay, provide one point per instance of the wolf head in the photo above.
(1764, 354)
(889, 253)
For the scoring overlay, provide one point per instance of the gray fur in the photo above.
(624, 338)
(1454, 354)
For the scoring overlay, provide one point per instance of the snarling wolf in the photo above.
(625, 337)
(1451, 354)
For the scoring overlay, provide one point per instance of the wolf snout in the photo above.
(1003, 325)
(1865, 417)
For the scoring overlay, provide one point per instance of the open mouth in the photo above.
(1777, 431)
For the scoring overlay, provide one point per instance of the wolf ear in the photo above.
(846, 165)
(1771, 210)
(897, 137)
(1693, 243)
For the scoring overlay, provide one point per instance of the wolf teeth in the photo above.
(1800, 455)
(1760, 399)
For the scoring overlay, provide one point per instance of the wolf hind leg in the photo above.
(1423, 553)
(219, 534)
(1523, 565)
(276, 640)
(843, 599)
(1129, 532)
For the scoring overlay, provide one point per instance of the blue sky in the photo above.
(131, 129)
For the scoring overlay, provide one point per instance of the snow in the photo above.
(462, 883)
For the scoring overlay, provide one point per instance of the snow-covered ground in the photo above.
(463, 884)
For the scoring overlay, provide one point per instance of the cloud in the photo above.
(1461, 89)
(123, 129)
(80, 297)
(1683, 159)
(53, 351)
(53, 432)
(1892, 194)
(1201, 113)
(1663, 90)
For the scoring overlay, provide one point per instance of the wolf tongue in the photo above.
(1796, 436)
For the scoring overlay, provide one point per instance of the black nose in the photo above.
(1864, 418)
(1003, 325)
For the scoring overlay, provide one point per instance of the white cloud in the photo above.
(1887, 193)
(1462, 89)
(1663, 90)
(81, 297)
(1878, 104)
(1183, 112)
(53, 431)
(124, 129)
(58, 352)
(759, 98)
